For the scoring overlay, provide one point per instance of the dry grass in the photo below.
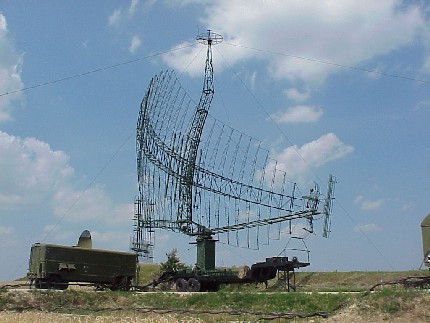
(418, 313)
(389, 304)
(348, 281)
(39, 317)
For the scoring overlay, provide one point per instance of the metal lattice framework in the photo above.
(213, 182)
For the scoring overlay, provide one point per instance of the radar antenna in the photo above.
(218, 183)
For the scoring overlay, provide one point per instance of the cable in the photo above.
(360, 69)
(366, 236)
(243, 83)
(81, 195)
(91, 183)
(235, 253)
(191, 61)
(269, 116)
(70, 77)
(230, 44)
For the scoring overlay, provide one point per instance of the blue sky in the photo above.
(288, 73)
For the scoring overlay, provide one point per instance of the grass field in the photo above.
(319, 295)
(309, 281)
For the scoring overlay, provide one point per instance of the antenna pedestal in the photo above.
(206, 253)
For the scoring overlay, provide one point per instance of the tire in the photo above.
(126, 284)
(64, 285)
(113, 287)
(40, 283)
(194, 285)
(121, 283)
(54, 282)
(181, 285)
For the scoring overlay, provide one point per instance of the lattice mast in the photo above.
(194, 134)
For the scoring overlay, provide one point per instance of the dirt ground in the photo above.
(352, 315)
(39, 317)
(348, 315)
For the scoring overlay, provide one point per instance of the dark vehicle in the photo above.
(196, 280)
(54, 266)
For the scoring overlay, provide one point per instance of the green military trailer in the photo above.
(54, 266)
(425, 231)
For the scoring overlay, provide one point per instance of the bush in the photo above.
(173, 263)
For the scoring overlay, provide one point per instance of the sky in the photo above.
(336, 87)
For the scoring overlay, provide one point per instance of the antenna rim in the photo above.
(209, 38)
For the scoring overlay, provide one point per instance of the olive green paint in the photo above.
(425, 231)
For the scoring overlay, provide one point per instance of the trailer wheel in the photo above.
(54, 282)
(63, 285)
(181, 285)
(126, 284)
(193, 285)
(121, 283)
(40, 283)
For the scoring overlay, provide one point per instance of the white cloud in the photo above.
(121, 15)
(176, 3)
(3, 23)
(346, 32)
(422, 105)
(5, 230)
(115, 18)
(297, 95)
(187, 58)
(111, 240)
(298, 114)
(133, 6)
(10, 72)
(58, 235)
(368, 205)
(252, 80)
(426, 65)
(93, 204)
(298, 161)
(371, 227)
(135, 44)
(300, 230)
(32, 175)
(29, 170)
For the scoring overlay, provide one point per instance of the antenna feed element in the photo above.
(209, 38)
